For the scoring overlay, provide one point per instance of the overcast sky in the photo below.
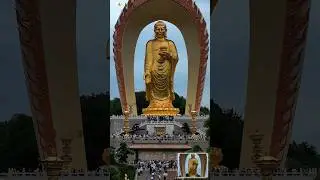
(229, 61)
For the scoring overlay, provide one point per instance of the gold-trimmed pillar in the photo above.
(47, 30)
(277, 46)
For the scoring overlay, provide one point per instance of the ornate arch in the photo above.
(125, 18)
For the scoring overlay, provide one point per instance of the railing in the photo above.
(119, 132)
(144, 117)
(165, 122)
(190, 142)
(143, 124)
(223, 173)
(250, 175)
(312, 172)
(156, 139)
(37, 173)
(178, 124)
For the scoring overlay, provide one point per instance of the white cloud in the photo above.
(147, 34)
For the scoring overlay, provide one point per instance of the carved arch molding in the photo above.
(139, 13)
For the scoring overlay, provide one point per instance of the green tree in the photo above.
(179, 102)
(122, 153)
(302, 155)
(196, 148)
(224, 127)
(18, 143)
(96, 125)
(204, 111)
(127, 169)
(114, 173)
(3, 134)
(115, 107)
(141, 101)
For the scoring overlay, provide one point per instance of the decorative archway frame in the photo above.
(135, 16)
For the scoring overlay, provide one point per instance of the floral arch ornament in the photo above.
(135, 16)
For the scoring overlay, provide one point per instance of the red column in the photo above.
(294, 42)
(29, 26)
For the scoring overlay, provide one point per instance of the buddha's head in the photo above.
(160, 30)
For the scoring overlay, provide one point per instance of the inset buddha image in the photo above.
(193, 165)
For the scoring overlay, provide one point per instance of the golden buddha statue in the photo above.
(192, 167)
(160, 63)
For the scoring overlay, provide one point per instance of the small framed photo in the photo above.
(192, 165)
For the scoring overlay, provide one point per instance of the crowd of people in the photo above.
(156, 168)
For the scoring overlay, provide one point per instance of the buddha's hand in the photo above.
(147, 78)
(165, 54)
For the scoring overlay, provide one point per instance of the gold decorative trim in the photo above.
(160, 111)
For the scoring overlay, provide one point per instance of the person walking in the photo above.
(165, 174)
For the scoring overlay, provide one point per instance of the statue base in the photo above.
(160, 111)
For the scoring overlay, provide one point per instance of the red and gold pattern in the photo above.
(204, 45)
(194, 12)
(29, 25)
(290, 74)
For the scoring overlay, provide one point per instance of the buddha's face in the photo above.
(160, 30)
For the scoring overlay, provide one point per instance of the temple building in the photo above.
(157, 138)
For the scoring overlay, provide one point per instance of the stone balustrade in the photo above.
(116, 122)
(204, 117)
(250, 174)
(191, 141)
(164, 122)
(157, 138)
(157, 141)
(312, 172)
(14, 172)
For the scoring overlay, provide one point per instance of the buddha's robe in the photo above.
(160, 87)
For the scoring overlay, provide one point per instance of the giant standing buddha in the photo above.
(160, 63)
